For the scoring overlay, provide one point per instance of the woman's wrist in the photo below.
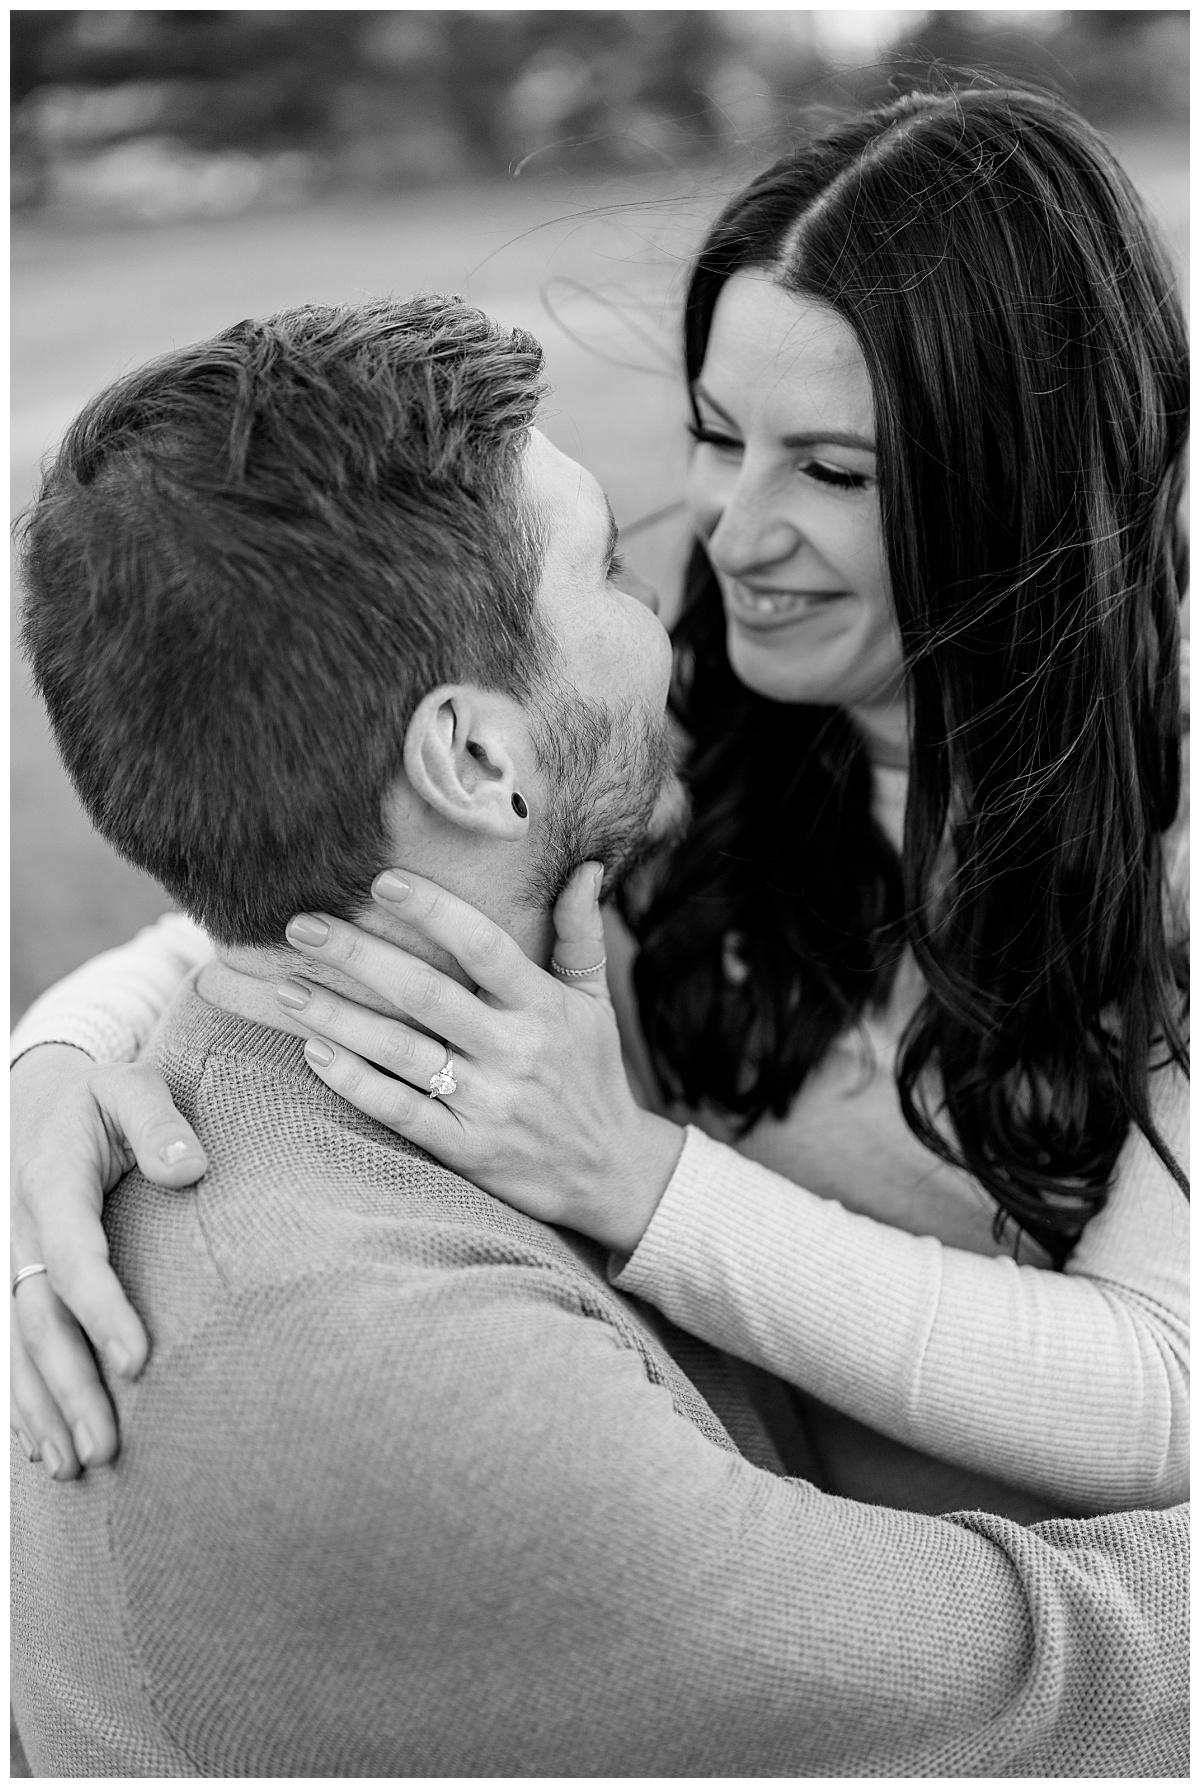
(650, 1155)
(50, 1058)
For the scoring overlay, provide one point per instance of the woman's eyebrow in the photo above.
(829, 437)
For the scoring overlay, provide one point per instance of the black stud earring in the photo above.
(519, 808)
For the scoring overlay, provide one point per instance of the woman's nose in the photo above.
(751, 531)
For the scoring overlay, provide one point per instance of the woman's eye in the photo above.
(834, 475)
(616, 567)
(711, 437)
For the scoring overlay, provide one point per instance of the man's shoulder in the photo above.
(303, 1192)
(296, 1175)
(300, 1183)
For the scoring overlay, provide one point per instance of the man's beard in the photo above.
(614, 796)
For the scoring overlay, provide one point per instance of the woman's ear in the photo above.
(463, 753)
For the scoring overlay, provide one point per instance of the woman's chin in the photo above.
(762, 671)
(844, 670)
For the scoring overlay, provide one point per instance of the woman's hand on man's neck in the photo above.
(243, 979)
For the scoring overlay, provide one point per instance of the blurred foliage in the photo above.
(165, 114)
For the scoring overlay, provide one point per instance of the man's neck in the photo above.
(243, 980)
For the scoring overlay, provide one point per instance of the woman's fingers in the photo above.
(53, 1377)
(139, 1116)
(491, 958)
(75, 1129)
(34, 1418)
(430, 1123)
(387, 1042)
(579, 931)
(55, 1389)
(136, 1106)
(97, 1130)
(74, 1248)
(404, 981)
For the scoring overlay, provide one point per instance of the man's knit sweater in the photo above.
(408, 1489)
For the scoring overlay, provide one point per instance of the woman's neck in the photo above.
(884, 729)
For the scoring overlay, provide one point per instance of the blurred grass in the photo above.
(594, 269)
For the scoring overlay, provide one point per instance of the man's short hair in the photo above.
(248, 563)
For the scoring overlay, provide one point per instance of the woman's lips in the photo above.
(763, 610)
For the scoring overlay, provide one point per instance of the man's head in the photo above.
(313, 587)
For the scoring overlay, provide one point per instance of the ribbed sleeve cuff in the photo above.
(104, 1039)
(708, 1178)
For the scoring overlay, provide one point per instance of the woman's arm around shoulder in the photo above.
(82, 1113)
(109, 1007)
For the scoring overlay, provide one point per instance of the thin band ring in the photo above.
(443, 1083)
(566, 974)
(28, 1273)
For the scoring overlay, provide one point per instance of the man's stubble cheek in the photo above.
(612, 794)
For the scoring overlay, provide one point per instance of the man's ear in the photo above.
(464, 752)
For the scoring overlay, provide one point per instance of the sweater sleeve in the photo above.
(109, 1007)
(1073, 1385)
(458, 1531)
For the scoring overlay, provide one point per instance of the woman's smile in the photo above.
(767, 610)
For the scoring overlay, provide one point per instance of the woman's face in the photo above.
(781, 489)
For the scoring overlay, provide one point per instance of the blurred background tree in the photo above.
(170, 114)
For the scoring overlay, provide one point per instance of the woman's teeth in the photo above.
(773, 604)
(779, 602)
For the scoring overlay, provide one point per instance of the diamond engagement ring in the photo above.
(565, 974)
(443, 1083)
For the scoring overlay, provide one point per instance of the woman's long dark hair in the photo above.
(1027, 353)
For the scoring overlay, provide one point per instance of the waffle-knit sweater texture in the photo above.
(408, 1489)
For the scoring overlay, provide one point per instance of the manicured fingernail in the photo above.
(31, 1452)
(174, 1151)
(304, 929)
(293, 994)
(318, 1052)
(85, 1446)
(119, 1357)
(597, 880)
(51, 1458)
(390, 886)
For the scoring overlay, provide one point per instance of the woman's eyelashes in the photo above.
(835, 476)
(841, 480)
(712, 437)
